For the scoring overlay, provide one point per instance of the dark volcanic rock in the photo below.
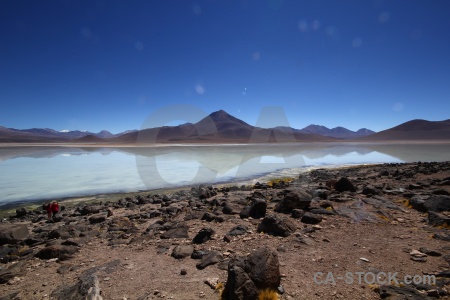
(87, 287)
(90, 209)
(96, 219)
(57, 251)
(247, 275)
(309, 218)
(213, 257)
(277, 225)
(122, 224)
(437, 219)
(182, 251)
(258, 209)
(179, 231)
(404, 292)
(13, 233)
(437, 203)
(238, 230)
(344, 185)
(292, 201)
(297, 213)
(418, 203)
(21, 212)
(203, 236)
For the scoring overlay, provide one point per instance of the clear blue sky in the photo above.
(94, 65)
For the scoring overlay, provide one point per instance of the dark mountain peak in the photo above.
(365, 131)
(221, 118)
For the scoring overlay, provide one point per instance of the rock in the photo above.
(21, 212)
(309, 218)
(245, 212)
(277, 225)
(182, 251)
(292, 201)
(248, 275)
(96, 219)
(179, 231)
(417, 253)
(213, 257)
(392, 292)
(14, 270)
(437, 203)
(57, 251)
(13, 233)
(430, 252)
(238, 230)
(297, 213)
(370, 190)
(203, 236)
(90, 209)
(437, 219)
(87, 288)
(418, 203)
(258, 209)
(199, 254)
(344, 185)
(209, 217)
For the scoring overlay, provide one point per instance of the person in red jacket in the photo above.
(52, 209)
(55, 208)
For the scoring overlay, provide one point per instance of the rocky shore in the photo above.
(294, 238)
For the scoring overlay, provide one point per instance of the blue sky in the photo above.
(94, 65)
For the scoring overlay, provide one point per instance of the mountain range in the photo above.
(221, 127)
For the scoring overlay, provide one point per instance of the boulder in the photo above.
(21, 212)
(248, 275)
(57, 251)
(437, 203)
(182, 251)
(213, 257)
(238, 230)
(437, 219)
(90, 209)
(96, 219)
(310, 218)
(13, 233)
(258, 208)
(176, 232)
(203, 235)
(86, 288)
(277, 225)
(293, 200)
(344, 185)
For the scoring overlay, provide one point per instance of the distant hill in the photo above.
(218, 127)
(337, 132)
(45, 135)
(221, 127)
(415, 130)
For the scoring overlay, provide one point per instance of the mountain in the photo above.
(221, 127)
(218, 127)
(414, 130)
(337, 132)
(44, 135)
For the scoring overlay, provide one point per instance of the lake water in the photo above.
(37, 173)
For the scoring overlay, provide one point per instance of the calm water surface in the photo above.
(36, 173)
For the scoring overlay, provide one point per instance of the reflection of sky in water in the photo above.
(41, 172)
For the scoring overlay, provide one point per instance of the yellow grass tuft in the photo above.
(382, 217)
(406, 203)
(268, 294)
(277, 180)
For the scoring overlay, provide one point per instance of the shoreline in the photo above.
(224, 143)
(9, 209)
